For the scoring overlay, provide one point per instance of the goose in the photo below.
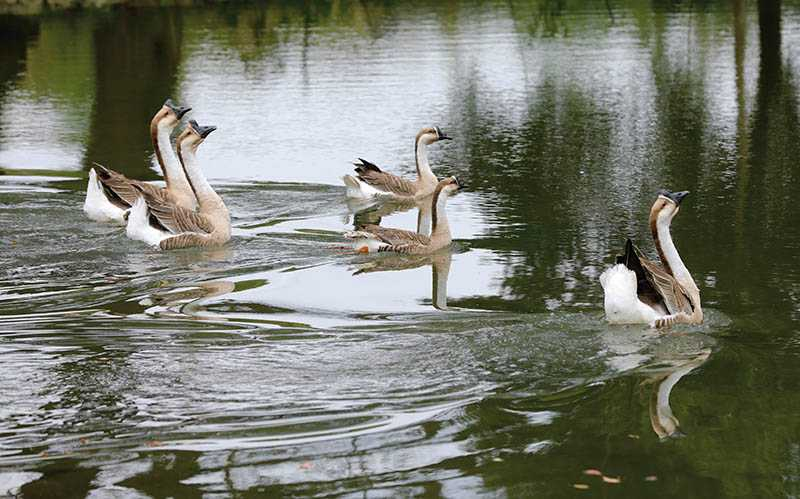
(372, 182)
(639, 291)
(109, 194)
(374, 238)
(158, 222)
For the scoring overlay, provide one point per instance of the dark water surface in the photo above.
(279, 365)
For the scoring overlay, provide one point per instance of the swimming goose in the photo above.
(374, 238)
(110, 194)
(638, 290)
(161, 223)
(371, 181)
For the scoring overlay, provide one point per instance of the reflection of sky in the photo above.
(38, 134)
(307, 106)
(45, 118)
(328, 291)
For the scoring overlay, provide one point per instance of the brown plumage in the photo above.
(171, 226)
(121, 190)
(655, 283)
(398, 240)
(381, 239)
(173, 217)
(372, 181)
(383, 181)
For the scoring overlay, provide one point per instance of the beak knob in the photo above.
(676, 197)
(178, 110)
(440, 135)
(202, 131)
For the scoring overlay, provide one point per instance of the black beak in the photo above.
(441, 135)
(676, 197)
(459, 184)
(178, 110)
(202, 131)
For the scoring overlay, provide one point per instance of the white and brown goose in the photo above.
(639, 291)
(374, 238)
(166, 225)
(371, 181)
(109, 194)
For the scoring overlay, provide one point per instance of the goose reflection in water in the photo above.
(440, 269)
(663, 379)
(373, 212)
(186, 300)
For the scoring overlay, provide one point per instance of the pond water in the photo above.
(282, 365)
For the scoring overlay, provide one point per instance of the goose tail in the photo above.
(356, 189)
(139, 227)
(621, 302)
(97, 206)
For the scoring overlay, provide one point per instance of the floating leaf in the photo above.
(635, 437)
(611, 479)
(580, 486)
(593, 472)
(650, 478)
(154, 443)
(307, 465)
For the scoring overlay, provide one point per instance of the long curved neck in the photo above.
(424, 221)
(659, 226)
(671, 259)
(424, 171)
(208, 200)
(440, 228)
(173, 172)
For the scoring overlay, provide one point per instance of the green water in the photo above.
(281, 366)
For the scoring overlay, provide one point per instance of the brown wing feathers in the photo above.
(396, 237)
(172, 218)
(121, 190)
(377, 178)
(654, 284)
(365, 166)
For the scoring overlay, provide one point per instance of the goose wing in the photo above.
(369, 173)
(121, 190)
(174, 218)
(655, 284)
(396, 237)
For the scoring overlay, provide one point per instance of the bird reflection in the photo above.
(371, 213)
(664, 378)
(440, 270)
(188, 300)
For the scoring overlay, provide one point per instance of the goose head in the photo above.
(169, 115)
(194, 135)
(431, 134)
(449, 186)
(667, 204)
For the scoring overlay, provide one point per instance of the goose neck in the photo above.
(424, 171)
